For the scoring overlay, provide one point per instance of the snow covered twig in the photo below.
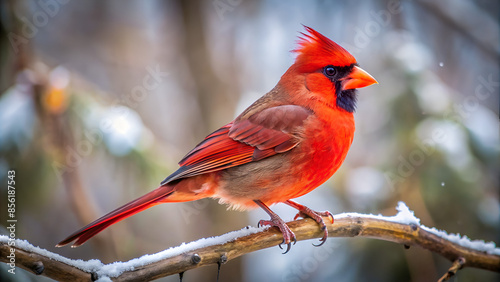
(403, 228)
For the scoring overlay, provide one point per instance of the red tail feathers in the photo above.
(150, 199)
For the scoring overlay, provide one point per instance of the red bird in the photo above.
(283, 146)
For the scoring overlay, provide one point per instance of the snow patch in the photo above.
(404, 215)
(87, 266)
(464, 241)
(407, 216)
(116, 268)
(105, 271)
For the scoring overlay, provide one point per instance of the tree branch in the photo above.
(456, 266)
(234, 244)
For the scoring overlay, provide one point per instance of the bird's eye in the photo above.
(329, 71)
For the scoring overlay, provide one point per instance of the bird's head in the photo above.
(332, 75)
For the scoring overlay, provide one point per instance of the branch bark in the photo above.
(34, 260)
(456, 266)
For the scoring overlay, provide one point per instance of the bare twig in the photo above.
(456, 266)
(212, 254)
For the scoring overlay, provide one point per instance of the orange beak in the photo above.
(357, 79)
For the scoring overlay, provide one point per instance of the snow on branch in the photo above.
(403, 228)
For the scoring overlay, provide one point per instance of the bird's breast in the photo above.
(323, 150)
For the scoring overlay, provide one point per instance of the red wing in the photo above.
(271, 128)
(263, 135)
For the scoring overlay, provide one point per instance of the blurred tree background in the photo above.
(100, 99)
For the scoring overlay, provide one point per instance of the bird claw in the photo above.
(322, 240)
(318, 217)
(288, 246)
(288, 235)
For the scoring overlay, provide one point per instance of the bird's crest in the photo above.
(314, 47)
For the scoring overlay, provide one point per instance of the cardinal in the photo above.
(286, 144)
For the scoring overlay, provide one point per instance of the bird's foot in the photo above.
(317, 216)
(288, 235)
